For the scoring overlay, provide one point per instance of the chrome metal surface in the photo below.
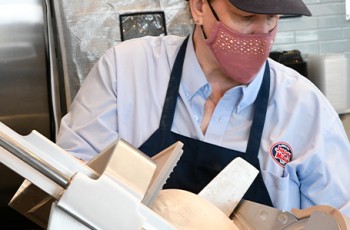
(31, 159)
(24, 87)
(24, 95)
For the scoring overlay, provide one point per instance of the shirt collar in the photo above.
(250, 91)
(193, 78)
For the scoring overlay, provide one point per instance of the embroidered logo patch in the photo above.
(281, 153)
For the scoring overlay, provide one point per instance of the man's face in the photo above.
(239, 21)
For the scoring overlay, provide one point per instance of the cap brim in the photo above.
(284, 7)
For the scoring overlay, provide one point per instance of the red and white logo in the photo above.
(282, 153)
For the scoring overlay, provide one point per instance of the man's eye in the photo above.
(247, 18)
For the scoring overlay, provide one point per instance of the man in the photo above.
(218, 93)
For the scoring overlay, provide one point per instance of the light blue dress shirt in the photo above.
(123, 96)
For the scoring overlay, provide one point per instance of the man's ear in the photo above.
(196, 7)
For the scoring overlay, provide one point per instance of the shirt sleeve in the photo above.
(325, 181)
(91, 124)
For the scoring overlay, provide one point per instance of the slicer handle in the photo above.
(34, 161)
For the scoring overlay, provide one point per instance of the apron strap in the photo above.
(259, 117)
(168, 113)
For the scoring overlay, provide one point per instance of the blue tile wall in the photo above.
(326, 31)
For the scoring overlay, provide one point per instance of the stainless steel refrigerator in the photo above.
(27, 85)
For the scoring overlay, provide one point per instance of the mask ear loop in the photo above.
(205, 36)
(215, 15)
(213, 11)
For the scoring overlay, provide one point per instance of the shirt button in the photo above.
(196, 117)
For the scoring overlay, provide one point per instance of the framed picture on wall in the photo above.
(140, 24)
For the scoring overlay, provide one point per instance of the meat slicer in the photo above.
(116, 189)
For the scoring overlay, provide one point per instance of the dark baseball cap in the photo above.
(284, 7)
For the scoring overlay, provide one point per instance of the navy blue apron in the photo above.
(201, 161)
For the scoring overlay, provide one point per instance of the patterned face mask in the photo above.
(240, 55)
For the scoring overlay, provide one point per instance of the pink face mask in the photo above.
(240, 55)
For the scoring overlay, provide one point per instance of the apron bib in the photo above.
(201, 161)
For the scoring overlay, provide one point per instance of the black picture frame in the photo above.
(139, 24)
